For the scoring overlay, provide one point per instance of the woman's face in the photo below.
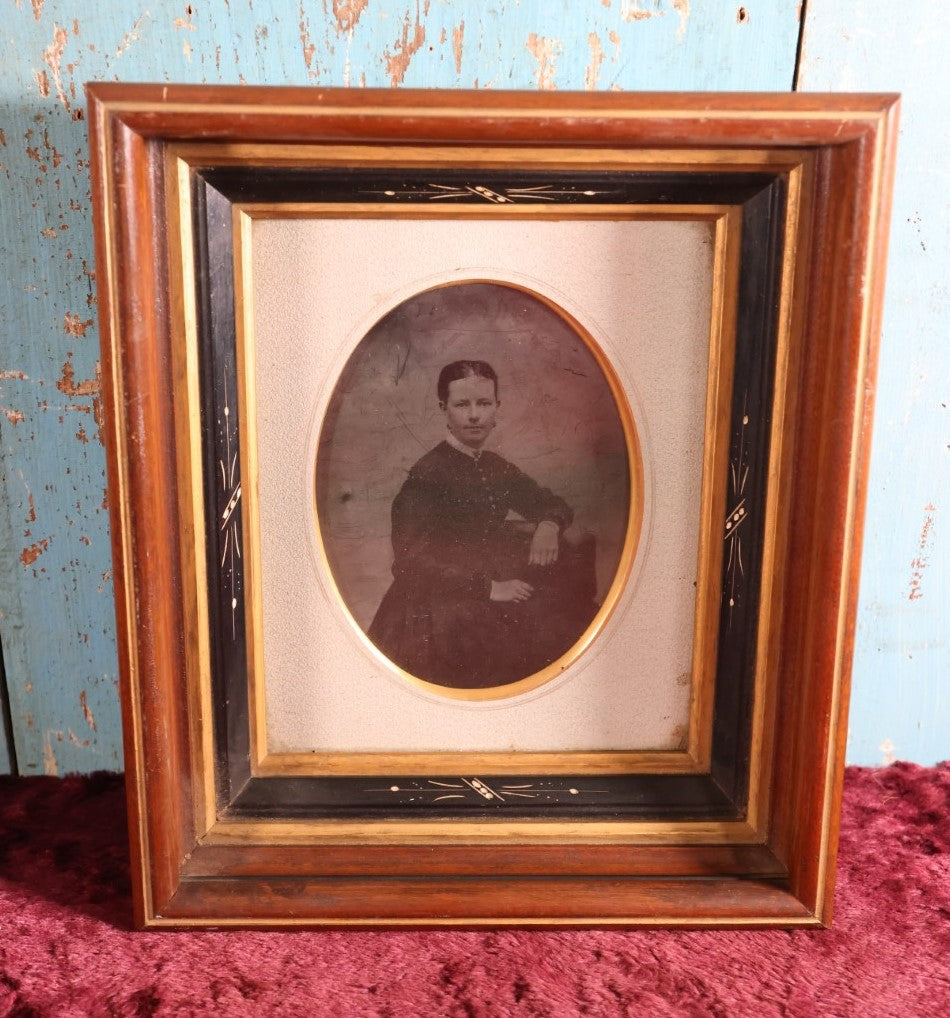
(470, 409)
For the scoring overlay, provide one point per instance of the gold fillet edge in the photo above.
(263, 111)
(187, 413)
(106, 154)
(452, 763)
(316, 833)
(771, 601)
(264, 762)
(844, 597)
(719, 382)
(708, 922)
(310, 154)
(250, 525)
(635, 459)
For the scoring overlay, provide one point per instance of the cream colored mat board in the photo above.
(642, 290)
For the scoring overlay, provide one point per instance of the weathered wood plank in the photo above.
(56, 612)
(900, 708)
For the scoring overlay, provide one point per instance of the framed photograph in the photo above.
(486, 474)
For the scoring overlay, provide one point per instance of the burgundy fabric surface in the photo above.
(66, 947)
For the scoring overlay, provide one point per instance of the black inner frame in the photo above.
(720, 795)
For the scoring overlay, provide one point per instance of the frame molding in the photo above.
(750, 248)
(207, 849)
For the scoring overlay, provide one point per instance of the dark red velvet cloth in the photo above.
(66, 947)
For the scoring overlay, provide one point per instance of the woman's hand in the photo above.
(544, 544)
(510, 590)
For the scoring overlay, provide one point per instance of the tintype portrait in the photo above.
(473, 484)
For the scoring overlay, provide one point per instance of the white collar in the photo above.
(461, 446)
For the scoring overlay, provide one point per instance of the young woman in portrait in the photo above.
(480, 599)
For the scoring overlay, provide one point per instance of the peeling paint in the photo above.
(32, 516)
(52, 149)
(186, 22)
(682, 9)
(13, 416)
(397, 63)
(86, 712)
(545, 51)
(132, 35)
(630, 10)
(596, 59)
(457, 36)
(92, 298)
(49, 757)
(29, 555)
(347, 13)
(88, 387)
(922, 560)
(37, 8)
(53, 57)
(309, 48)
(74, 325)
(887, 748)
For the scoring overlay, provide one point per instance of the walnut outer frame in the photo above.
(195, 867)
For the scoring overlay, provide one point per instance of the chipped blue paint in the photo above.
(56, 597)
(900, 705)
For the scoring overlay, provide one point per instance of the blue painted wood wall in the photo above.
(901, 685)
(56, 596)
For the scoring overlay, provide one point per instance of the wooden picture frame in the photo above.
(736, 824)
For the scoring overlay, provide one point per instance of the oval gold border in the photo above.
(631, 539)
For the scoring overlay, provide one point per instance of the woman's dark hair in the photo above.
(464, 369)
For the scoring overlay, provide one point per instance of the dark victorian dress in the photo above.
(451, 538)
